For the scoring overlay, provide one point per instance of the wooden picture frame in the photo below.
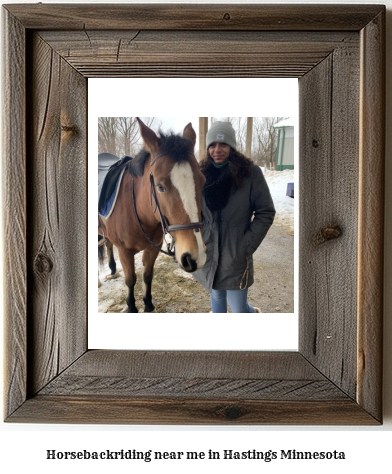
(338, 54)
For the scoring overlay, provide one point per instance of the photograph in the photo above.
(193, 220)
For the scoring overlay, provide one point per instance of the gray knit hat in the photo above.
(221, 132)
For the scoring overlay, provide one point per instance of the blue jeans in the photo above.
(238, 301)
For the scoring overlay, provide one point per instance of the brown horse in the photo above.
(160, 193)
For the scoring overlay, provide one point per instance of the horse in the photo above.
(160, 193)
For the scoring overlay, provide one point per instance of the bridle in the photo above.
(166, 228)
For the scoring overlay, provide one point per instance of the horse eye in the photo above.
(161, 188)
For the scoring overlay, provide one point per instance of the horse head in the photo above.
(176, 186)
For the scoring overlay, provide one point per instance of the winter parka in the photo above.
(233, 234)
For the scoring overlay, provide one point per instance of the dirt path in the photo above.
(273, 290)
(175, 291)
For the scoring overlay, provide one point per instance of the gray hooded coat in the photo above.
(233, 234)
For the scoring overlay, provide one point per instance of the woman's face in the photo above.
(219, 152)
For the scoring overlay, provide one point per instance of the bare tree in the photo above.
(120, 135)
(107, 135)
(265, 140)
(239, 124)
(127, 134)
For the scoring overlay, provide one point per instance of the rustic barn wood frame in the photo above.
(337, 52)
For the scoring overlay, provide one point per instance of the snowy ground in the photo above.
(284, 205)
(274, 269)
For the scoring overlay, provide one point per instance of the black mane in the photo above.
(175, 146)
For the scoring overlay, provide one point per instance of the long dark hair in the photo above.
(239, 166)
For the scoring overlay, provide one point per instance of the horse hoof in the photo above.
(132, 310)
(112, 277)
(148, 305)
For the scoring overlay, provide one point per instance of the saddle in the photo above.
(110, 173)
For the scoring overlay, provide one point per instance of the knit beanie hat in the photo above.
(221, 132)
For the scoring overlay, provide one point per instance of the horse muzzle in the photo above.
(188, 263)
(190, 253)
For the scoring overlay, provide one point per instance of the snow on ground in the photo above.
(284, 205)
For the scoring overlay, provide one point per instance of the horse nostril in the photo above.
(187, 263)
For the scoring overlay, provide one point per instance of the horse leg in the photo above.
(149, 256)
(112, 262)
(127, 258)
(101, 256)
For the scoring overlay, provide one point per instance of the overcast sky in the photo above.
(177, 124)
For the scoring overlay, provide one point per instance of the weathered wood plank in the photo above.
(206, 374)
(97, 53)
(57, 213)
(208, 364)
(371, 216)
(14, 212)
(329, 220)
(57, 409)
(187, 387)
(191, 17)
(119, 45)
(344, 214)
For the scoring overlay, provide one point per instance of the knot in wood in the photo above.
(232, 412)
(315, 143)
(328, 233)
(68, 128)
(227, 16)
(43, 264)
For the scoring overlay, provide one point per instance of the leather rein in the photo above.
(166, 228)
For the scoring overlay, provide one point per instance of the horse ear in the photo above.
(190, 133)
(150, 139)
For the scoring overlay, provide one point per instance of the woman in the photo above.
(237, 213)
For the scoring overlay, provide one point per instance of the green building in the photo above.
(285, 146)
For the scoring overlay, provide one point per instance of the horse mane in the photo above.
(175, 146)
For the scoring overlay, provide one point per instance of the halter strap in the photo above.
(196, 226)
(169, 252)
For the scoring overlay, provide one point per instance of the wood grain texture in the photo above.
(155, 411)
(193, 17)
(208, 375)
(192, 387)
(194, 53)
(57, 215)
(329, 199)
(335, 378)
(209, 364)
(201, 387)
(371, 215)
(14, 212)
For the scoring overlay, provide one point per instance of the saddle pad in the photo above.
(105, 161)
(111, 186)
